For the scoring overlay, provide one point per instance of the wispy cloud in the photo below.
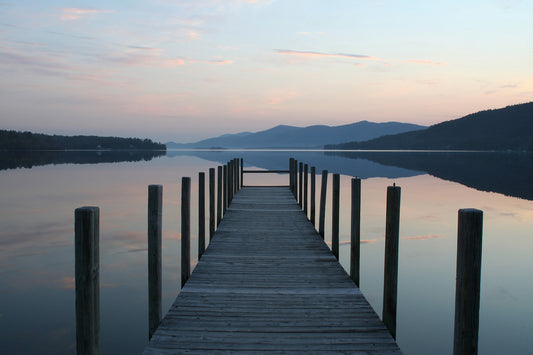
(220, 61)
(73, 13)
(313, 54)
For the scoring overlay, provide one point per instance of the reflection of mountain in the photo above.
(279, 160)
(506, 173)
(28, 159)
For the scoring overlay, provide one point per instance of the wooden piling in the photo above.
(242, 173)
(185, 229)
(313, 195)
(224, 189)
(237, 174)
(392, 233)
(211, 202)
(300, 183)
(87, 270)
(219, 194)
(295, 171)
(322, 211)
(155, 212)
(291, 174)
(230, 182)
(468, 280)
(306, 187)
(201, 214)
(335, 215)
(355, 233)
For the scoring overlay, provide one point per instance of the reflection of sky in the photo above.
(37, 254)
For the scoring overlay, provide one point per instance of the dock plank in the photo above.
(268, 283)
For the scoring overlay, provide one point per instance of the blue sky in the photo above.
(187, 70)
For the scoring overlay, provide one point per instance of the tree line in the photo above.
(16, 140)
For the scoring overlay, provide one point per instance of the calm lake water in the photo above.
(41, 191)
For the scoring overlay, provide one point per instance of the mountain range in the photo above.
(509, 128)
(301, 137)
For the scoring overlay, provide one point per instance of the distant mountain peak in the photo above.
(316, 136)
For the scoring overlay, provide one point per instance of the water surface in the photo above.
(37, 314)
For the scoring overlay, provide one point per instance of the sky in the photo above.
(186, 70)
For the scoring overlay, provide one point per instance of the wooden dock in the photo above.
(268, 283)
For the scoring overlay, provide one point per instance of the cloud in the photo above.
(424, 237)
(220, 61)
(311, 54)
(73, 13)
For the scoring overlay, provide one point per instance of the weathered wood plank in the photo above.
(268, 283)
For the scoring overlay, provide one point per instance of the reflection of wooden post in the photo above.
(313, 194)
(306, 187)
(87, 265)
(185, 229)
(392, 233)
(335, 216)
(355, 245)
(467, 289)
(211, 202)
(201, 214)
(155, 211)
(322, 212)
(219, 194)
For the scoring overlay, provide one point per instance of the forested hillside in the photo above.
(509, 128)
(14, 140)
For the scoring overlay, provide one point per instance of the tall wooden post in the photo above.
(219, 194)
(230, 182)
(87, 269)
(335, 215)
(185, 229)
(392, 234)
(295, 169)
(211, 202)
(201, 214)
(291, 175)
(155, 212)
(300, 184)
(322, 211)
(306, 187)
(224, 189)
(242, 173)
(468, 280)
(237, 174)
(355, 244)
(313, 194)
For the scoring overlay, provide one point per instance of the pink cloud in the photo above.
(72, 13)
(220, 61)
(312, 54)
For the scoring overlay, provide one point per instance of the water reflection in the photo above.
(506, 173)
